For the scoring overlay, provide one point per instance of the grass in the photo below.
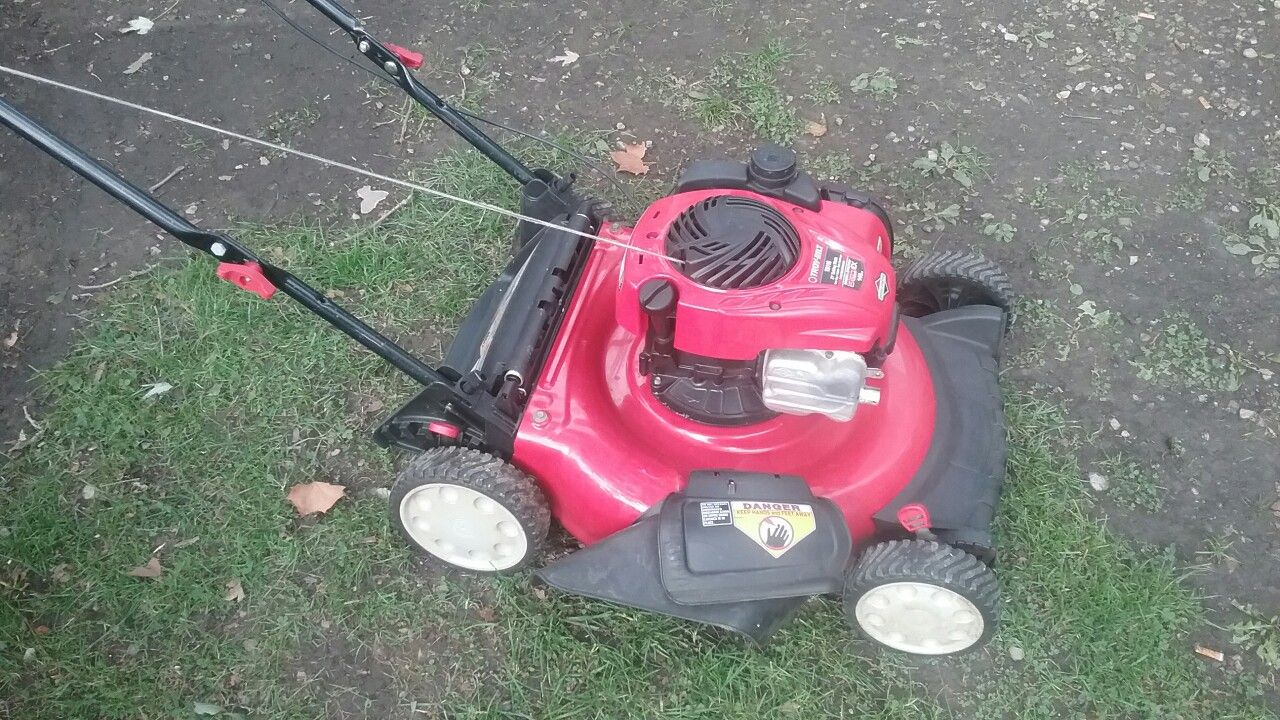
(743, 91)
(338, 620)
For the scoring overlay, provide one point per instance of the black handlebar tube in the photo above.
(389, 63)
(220, 246)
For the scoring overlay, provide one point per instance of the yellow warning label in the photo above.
(776, 527)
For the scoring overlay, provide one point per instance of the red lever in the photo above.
(247, 276)
(914, 517)
(411, 59)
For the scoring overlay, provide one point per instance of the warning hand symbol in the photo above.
(778, 536)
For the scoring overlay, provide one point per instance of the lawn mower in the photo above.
(733, 404)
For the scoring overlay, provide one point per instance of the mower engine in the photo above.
(760, 295)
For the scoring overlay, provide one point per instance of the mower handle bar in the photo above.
(221, 246)
(391, 60)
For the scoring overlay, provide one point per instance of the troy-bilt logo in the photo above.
(882, 287)
(815, 263)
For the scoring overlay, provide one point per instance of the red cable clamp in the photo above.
(914, 517)
(247, 276)
(444, 429)
(410, 59)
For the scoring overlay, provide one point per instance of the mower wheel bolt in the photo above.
(218, 249)
(541, 416)
(391, 67)
(363, 46)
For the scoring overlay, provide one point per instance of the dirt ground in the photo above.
(1117, 148)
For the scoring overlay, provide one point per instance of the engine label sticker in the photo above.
(775, 527)
(832, 267)
(715, 513)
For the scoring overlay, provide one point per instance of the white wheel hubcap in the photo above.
(919, 618)
(463, 527)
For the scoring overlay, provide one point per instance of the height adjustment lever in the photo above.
(247, 276)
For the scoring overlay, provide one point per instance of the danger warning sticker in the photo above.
(776, 527)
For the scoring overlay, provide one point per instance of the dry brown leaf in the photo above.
(630, 159)
(816, 128)
(315, 497)
(235, 591)
(151, 570)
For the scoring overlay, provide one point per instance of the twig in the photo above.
(1080, 117)
(383, 217)
(130, 276)
(167, 178)
(169, 9)
(404, 123)
(34, 424)
(54, 50)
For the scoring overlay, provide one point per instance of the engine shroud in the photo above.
(834, 291)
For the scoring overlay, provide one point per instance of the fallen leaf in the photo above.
(42, 629)
(1209, 653)
(204, 708)
(140, 25)
(12, 339)
(816, 128)
(151, 570)
(156, 389)
(316, 497)
(568, 58)
(369, 198)
(629, 159)
(235, 591)
(137, 64)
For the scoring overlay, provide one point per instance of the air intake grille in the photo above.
(731, 242)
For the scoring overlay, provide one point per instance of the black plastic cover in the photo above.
(772, 172)
(735, 536)
(960, 478)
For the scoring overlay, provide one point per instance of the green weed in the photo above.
(1262, 244)
(960, 163)
(1130, 484)
(1179, 351)
(880, 84)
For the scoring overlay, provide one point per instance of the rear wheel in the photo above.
(952, 279)
(469, 510)
(922, 597)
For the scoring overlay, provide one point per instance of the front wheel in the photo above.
(922, 597)
(952, 279)
(470, 511)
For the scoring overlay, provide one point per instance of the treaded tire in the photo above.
(950, 279)
(486, 475)
(929, 563)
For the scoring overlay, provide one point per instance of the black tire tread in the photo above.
(951, 265)
(929, 562)
(483, 473)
